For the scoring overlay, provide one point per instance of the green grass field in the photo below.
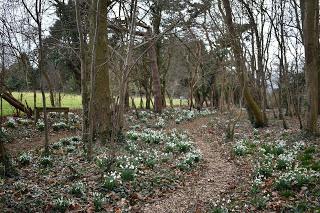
(68, 100)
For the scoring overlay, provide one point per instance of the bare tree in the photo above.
(84, 76)
(36, 15)
(234, 36)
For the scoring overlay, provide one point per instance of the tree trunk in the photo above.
(311, 45)
(100, 100)
(259, 119)
(50, 87)
(16, 103)
(155, 75)
(84, 79)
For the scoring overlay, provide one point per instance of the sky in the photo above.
(17, 14)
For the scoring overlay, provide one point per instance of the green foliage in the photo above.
(283, 185)
(59, 126)
(24, 122)
(265, 171)
(260, 202)
(285, 161)
(219, 210)
(98, 200)
(25, 159)
(78, 189)
(132, 135)
(183, 146)
(307, 160)
(152, 136)
(3, 135)
(287, 193)
(302, 207)
(151, 161)
(104, 162)
(70, 148)
(57, 145)
(128, 174)
(61, 204)
(296, 179)
(243, 147)
(14, 83)
(109, 182)
(11, 123)
(40, 125)
(190, 159)
(46, 161)
(273, 149)
(255, 189)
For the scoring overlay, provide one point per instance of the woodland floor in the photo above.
(217, 176)
(224, 180)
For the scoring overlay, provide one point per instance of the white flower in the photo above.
(280, 143)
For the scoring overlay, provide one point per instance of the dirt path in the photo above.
(218, 174)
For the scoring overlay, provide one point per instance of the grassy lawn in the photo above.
(68, 100)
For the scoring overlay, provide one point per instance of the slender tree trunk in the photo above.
(4, 156)
(124, 94)
(155, 75)
(50, 87)
(84, 79)
(241, 67)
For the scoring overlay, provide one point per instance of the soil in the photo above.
(20, 145)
